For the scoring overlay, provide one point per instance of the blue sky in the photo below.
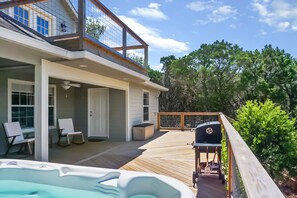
(177, 27)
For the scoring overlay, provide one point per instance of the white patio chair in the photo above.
(66, 129)
(15, 136)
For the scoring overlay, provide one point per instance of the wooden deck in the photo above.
(168, 153)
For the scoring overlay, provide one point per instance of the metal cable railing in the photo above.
(48, 18)
(55, 19)
(184, 120)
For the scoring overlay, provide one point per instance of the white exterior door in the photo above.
(98, 108)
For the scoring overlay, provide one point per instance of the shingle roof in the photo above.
(5, 22)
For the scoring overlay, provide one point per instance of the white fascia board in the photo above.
(110, 64)
(154, 86)
(42, 46)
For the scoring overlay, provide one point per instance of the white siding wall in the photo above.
(136, 106)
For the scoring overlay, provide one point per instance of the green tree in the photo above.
(155, 75)
(94, 28)
(165, 99)
(281, 76)
(208, 77)
(271, 135)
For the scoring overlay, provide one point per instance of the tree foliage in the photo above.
(222, 76)
(271, 135)
(94, 28)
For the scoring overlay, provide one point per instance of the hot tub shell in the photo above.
(118, 183)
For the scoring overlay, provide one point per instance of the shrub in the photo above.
(271, 135)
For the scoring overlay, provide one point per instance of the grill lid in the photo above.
(208, 133)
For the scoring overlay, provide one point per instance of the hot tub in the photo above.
(24, 178)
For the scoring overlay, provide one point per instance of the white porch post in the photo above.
(41, 113)
(128, 127)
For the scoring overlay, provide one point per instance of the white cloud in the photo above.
(157, 67)
(153, 38)
(263, 32)
(294, 26)
(233, 26)
(279, 14)
(218, 12)
(199, 5)
(116, 9)
(150, 12)
(222, 13)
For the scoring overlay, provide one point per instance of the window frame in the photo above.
(43, 27)
(35, 11)
(10, 105)
(24, 9)
(145, 106)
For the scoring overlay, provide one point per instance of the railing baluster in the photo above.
(182, 118)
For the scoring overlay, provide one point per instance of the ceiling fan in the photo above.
(67, 84)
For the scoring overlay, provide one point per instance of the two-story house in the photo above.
(72, 59)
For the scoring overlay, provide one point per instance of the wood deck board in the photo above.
(168, 153)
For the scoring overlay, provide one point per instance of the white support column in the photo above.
(41, 112)
(128, 131)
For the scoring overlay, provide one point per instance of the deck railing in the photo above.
(246, 175)
(87, 20)
(184, 120)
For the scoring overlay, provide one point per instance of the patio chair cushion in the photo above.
(66, 129)
(13, 129)
(71, 133)
(15, 136)
(29, 140)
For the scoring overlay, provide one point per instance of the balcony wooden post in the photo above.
(124, 41)
(146, 56)
(182, 117)
(159, 119)
(81, 22)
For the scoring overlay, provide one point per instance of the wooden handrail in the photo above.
(189, 113)
(256, 181)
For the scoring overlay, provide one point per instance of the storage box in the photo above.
(143, 131)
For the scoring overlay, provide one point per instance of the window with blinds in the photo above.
(22, 103)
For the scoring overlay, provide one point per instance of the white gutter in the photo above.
(154, 85)
(43, 46)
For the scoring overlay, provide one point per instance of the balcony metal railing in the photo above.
(55, 20)
(246, 175)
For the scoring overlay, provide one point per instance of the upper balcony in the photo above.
(79, 25)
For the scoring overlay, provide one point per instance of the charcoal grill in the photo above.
(208, 138)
